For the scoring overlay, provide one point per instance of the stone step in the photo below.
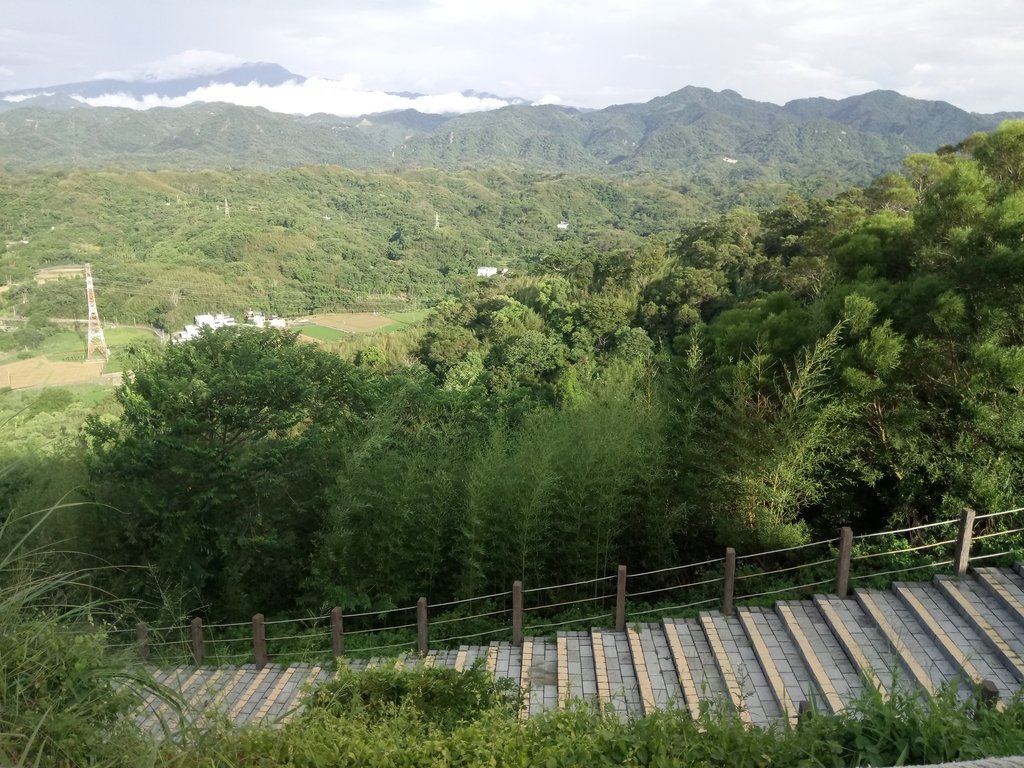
(994, 623)
(507, 660)
(864, 644)
(786, 667)
(920, 655)
(746, 682)
(539, 676)
(962, 644)
(616, 679)
(837, 680)
(765, 663)
(1001, 586)
(577, 676)
(691, 657)
(657, 676)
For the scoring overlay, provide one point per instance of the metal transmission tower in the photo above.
(96, 342)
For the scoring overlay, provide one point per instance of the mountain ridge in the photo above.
(693, 130)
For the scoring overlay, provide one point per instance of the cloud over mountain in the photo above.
(207, 76)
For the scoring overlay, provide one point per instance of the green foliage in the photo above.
(904, 730)
(215, 469)
(438, 697)
(63, 699)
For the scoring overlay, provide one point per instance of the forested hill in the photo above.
(714, 136)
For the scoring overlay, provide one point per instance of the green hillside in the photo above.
(293, 242)
(691, 130)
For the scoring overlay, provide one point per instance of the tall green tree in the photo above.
(215, 472)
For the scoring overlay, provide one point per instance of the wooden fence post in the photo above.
(963, 541)
(337, 632)
(198, 651)
(259, 641)
(620, 600)
(843, 567)
(730, 580)
(517, 614)
(142, 641)
(421, 625)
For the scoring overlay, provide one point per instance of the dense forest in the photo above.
(167, 245)
(755, 378)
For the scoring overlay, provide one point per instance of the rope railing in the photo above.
(999, 514)
(787, 569)
(919, 548)
(788, 549)
(566, 603)
(914, 529)
(782, 590)
(582, 583)
(673, 568)
(193, 639)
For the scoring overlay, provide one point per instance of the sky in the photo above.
(586, 53)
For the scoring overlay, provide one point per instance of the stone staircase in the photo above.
(767, 663)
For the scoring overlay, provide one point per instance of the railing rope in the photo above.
(145, 644)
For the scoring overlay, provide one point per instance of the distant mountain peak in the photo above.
(165, 85)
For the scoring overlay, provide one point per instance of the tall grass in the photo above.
(64, 699)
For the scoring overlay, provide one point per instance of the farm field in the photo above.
(339, 325)
(43, 372)
(60, 360)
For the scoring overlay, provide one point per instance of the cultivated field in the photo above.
(351, 322)
(41, 372)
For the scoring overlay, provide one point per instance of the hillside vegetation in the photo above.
(167, 245)
(763, 379)
(815, 143)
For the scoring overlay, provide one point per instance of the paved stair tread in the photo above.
(665, 690)
(793, 681)
(1004, 634)
(247, 701)
(580, 674)
(507, 660)
(445, 658)
(871, 653)
(234, 689)
(835, 670)
(766, 661)
(920, 655)
(623, 689)
(467, 655)
(541, 676)
(755, 691)
(1002, 589)
(964, 646)
(706, 679)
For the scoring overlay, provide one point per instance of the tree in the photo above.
(214, 472)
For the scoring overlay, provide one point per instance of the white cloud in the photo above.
(14, 98)
(547, 98)
(6, 72)
(185, 64)
(337, 97)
